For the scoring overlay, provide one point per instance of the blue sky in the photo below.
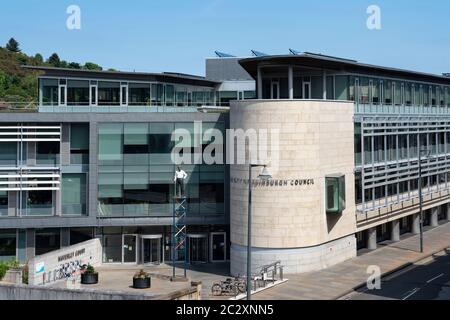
(176, 35)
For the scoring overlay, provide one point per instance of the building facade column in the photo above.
(259, 83)
(324, 78)
(31, 244)
(434, 217)
(415, 223)
(395, 230)
(291, 82)
(65, 237)
(447, 214)
(372, 239)
(65, 144)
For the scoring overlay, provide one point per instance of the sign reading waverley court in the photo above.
(274, 182)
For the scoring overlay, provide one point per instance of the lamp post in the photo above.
(264, 175)
(420, 196)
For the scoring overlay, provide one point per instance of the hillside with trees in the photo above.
(19, 86)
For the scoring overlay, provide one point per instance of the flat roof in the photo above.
(170, 77)
(320, 61)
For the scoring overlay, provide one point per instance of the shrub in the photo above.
(141, 275)
(87, 269)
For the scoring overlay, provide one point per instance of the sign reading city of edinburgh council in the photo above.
(274, 182)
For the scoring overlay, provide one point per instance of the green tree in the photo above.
(12, 45)
(54, 60)
(92, 66)
(74, 65)
(38, 59)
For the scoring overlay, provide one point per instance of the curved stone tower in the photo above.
(290, 221)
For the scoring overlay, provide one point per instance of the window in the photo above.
(39, 203)
(364, 90)
(78, 235)
(79, 143)
(110, 144)
(8, 153)
(47, 153)
(49, 92)
(376, 92)
(157, 94)
(135, 145)
(7, 245)
(108, 93)
(398, 93)
(3, 203)
(139, 94)
(77, 93)
(73, 194)
(335, 194)
(408, 94)
(387, 85)
(170, 95)
(342, 87)
(47, 240)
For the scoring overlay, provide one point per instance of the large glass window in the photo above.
(78, 235)
(108, 93)
(47, 240)
(139, 94)
(8, 153)
(226, 96)
(426, 95)
(77, 93)
(376, 93)
(110, 144)
(110, 194)
(387, 85)
(335, 194)
(47, 153)
(49, 91)
(181, 96)
(398, 93)
(364, 90)
(170, 95)
(342, 86)
(408, 93)
(74, 194)
(38, 203)
(112, 245)
(157, 94)
(8, 244)
(161, 143)
(3, 203)
(79, 143)
(135, 143)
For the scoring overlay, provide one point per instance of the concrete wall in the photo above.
(24, 292)
(43, 269)
(316, 140)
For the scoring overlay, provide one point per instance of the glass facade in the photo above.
(136, 171)
(8, 244)
(74, 194)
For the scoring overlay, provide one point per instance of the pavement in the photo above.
(342, 279)
(428, 279)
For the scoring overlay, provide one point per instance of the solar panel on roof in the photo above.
(259, 54)
(223, 55)
(294, 52)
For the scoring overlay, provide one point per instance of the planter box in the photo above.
(13, 276)
(141, 283)
(89, 278)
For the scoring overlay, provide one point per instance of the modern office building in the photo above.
(94, 161)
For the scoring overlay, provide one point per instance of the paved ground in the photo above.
(339, 279)
(119, 278)
(426, 280)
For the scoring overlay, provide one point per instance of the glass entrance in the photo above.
(218, 246)
(198, 249)
(151, 250)
(129, 248)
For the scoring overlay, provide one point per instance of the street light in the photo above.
(420, 195)
(265, 176)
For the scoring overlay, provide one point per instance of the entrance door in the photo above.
(218, 246)
(198, 249)
(129, 248)
(151, 249)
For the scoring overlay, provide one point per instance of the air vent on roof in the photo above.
(329, 57)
